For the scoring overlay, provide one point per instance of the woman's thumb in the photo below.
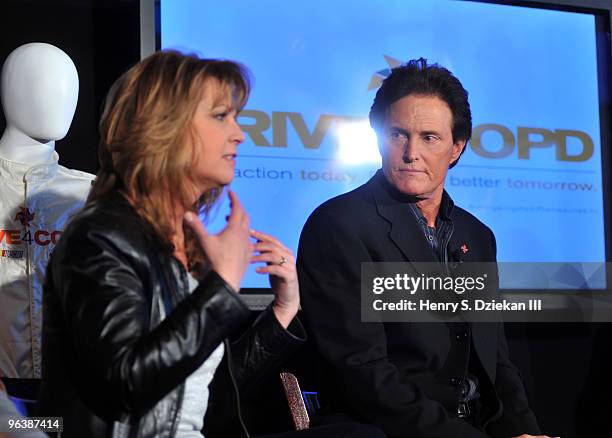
(192, 220)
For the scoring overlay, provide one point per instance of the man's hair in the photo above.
(147, 139)
(416, 77)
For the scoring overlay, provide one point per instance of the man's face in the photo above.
(416, 144)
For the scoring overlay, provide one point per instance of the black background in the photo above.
(103, 40)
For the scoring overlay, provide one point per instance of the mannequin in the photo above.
(39, 88)
(39, 102)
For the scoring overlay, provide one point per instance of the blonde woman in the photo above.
(139, 297)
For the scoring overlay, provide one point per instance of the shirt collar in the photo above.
(446, 207)
(20, 172)
(446, 204)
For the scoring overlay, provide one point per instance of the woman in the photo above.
(139, 298)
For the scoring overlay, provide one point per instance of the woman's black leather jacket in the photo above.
(111, 366)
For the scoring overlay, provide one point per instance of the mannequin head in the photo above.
(39, 91)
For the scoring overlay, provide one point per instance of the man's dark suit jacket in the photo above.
(401, 377)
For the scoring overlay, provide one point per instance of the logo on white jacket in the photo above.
(26, 235)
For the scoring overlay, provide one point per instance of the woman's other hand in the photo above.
(280, 265)
(229, 251)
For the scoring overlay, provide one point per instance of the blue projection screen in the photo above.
(532, 171)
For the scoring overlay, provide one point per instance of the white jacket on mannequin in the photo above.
(35, 204)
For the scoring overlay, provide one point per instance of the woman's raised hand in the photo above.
(229, 251)
(280, 265)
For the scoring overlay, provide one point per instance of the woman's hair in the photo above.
(147, 141)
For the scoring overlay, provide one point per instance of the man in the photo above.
(410, 379)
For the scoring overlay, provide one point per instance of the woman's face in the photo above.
(217, 136)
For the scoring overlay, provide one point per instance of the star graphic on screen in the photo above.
(24, 216)
(380, 75)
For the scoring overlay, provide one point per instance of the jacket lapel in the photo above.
(405, 232)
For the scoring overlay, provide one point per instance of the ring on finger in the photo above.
(282, 261)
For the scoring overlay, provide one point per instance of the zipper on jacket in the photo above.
(235, 385)
(29, 273)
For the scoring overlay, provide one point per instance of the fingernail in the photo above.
(189, 216)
